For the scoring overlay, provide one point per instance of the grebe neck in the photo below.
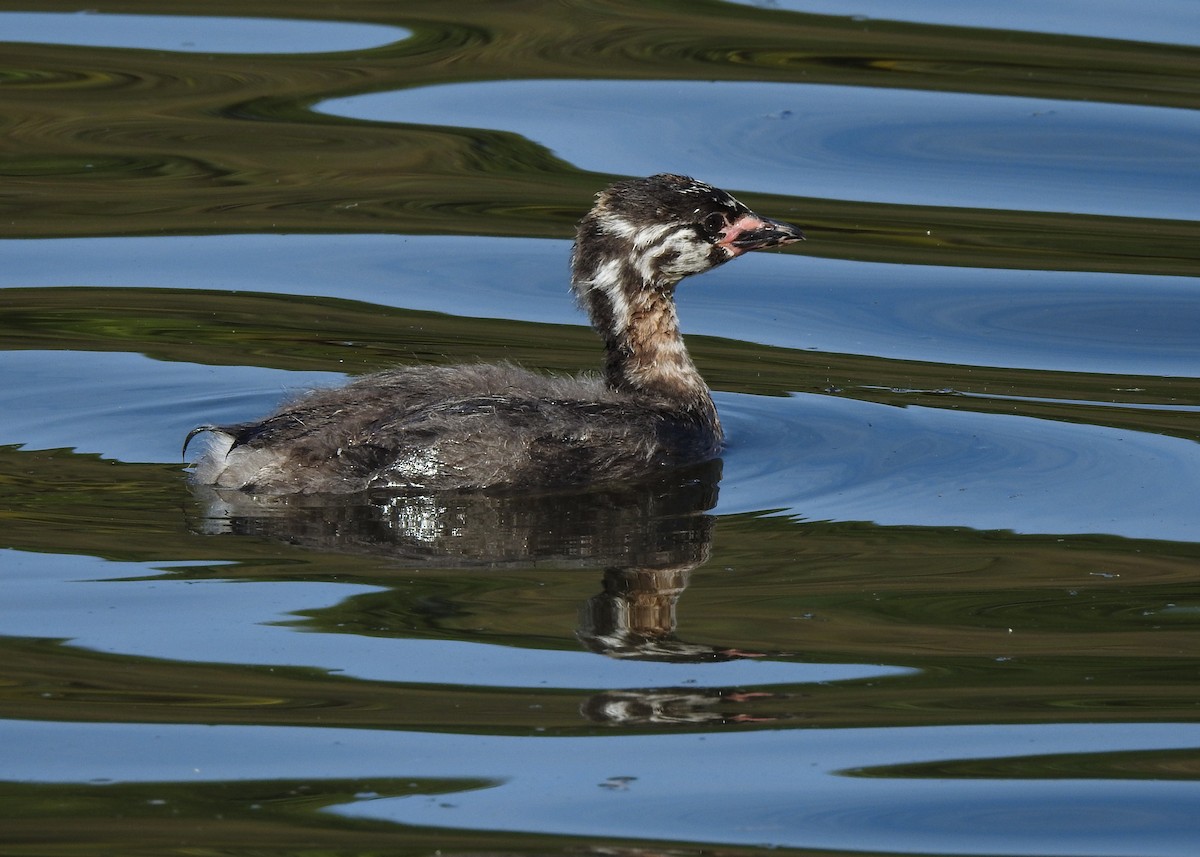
(634, 312)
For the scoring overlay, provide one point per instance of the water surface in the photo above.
(940, 595)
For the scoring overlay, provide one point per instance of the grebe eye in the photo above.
(714, 224)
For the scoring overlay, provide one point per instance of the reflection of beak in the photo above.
(752, 232)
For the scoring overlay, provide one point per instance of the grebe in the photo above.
(482, 426)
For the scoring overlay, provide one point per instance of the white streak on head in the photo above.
(620, 227)
(649, 235)
(685, 253)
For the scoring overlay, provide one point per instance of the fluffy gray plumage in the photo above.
(483, 426)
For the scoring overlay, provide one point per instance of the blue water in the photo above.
(878, 145)
(753, 789)
(192, 33)
(1070, 321)
(1167, 21)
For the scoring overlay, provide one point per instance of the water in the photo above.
(940, 596)
(874, 145)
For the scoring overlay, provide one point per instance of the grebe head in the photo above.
(639, 240)
(661, 229)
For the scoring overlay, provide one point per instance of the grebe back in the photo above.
(481, 426)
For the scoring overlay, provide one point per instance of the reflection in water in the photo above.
(634, 618)
(647, 536)
(707, 706)
(654, 524)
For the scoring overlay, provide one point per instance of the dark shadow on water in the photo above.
(657, 523)
(645, 537)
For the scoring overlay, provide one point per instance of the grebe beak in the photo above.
(752, 232)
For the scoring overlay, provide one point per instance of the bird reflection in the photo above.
(645, 537)
(654, 524)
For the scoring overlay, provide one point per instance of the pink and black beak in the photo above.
(751, 232)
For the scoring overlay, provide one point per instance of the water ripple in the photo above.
(757, 789)
(824, 458)
(460, 639)
(893, 146)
